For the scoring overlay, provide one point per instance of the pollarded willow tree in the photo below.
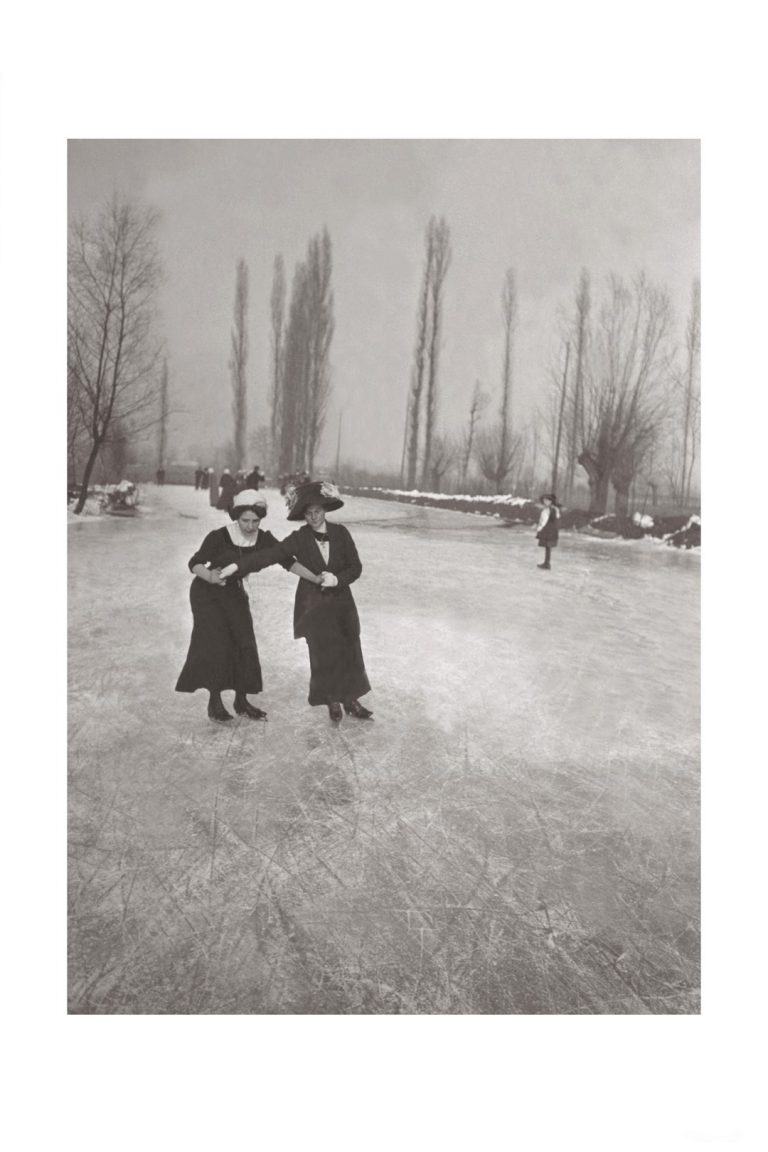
(626, 394)
(113, 274)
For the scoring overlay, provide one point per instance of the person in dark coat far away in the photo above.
(227, 489)
(255, 477)
(326, 616)
(222, 651)
(547, 529)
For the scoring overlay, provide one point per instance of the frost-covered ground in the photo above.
(516, 832)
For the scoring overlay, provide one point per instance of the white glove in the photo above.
(329, 580)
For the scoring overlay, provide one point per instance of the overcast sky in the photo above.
(545, 208)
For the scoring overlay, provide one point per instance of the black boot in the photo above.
(243, 708)
(355, 708)
(334, 711)
(216, 710)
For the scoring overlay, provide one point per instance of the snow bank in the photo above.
(414, 493)
(678, 531)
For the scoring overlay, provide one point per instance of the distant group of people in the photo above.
(223, 492)
(203, 477)
(291, 480)
(230, 485)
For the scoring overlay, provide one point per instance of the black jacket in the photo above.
(343, 561)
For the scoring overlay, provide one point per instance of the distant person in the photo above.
(547, 529)
(205, 474)
(254, 478)
(222, 650)
(198, 477)
(326, 616)
(213, 489)
(160, 476)
(227, 490)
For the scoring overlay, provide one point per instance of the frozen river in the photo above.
(516, 832)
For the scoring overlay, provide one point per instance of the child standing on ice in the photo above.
(546, 529)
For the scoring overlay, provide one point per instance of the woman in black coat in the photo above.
(325, 615)
(227, 490)
(222, 651)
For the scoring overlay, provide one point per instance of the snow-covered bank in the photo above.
(679, 531)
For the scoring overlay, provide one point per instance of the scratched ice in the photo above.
(516, 832)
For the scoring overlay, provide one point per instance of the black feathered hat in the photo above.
(321, 492)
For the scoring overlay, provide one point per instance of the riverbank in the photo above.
(681, 531)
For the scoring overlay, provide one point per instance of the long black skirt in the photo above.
(337, 669)
(222, 651)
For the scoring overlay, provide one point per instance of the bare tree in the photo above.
(441, 259)
(419, 363)
(321, 326)
(277, 317)
(295, 375)
(444, 453)
(162, 438)
(259, 443)
(237, 363)
(632, 456)
(305, 367)
(479, 403)
(580, 339)
(499, 449)
(76, 430)
(630, 362)
(509, 314)
(496, 454)
(690, 395)
(113, 274)
(560, 413)
(535, 445)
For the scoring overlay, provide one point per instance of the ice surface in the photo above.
(516, 831)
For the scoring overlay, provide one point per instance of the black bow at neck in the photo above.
(320, 535)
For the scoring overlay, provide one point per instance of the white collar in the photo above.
(239, 538)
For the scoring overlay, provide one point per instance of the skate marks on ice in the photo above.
(515, 832)
(346, 881)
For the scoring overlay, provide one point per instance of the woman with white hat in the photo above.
(326, 616)
(222, 651)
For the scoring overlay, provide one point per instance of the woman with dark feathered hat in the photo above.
(222, 651)
(326, 615)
